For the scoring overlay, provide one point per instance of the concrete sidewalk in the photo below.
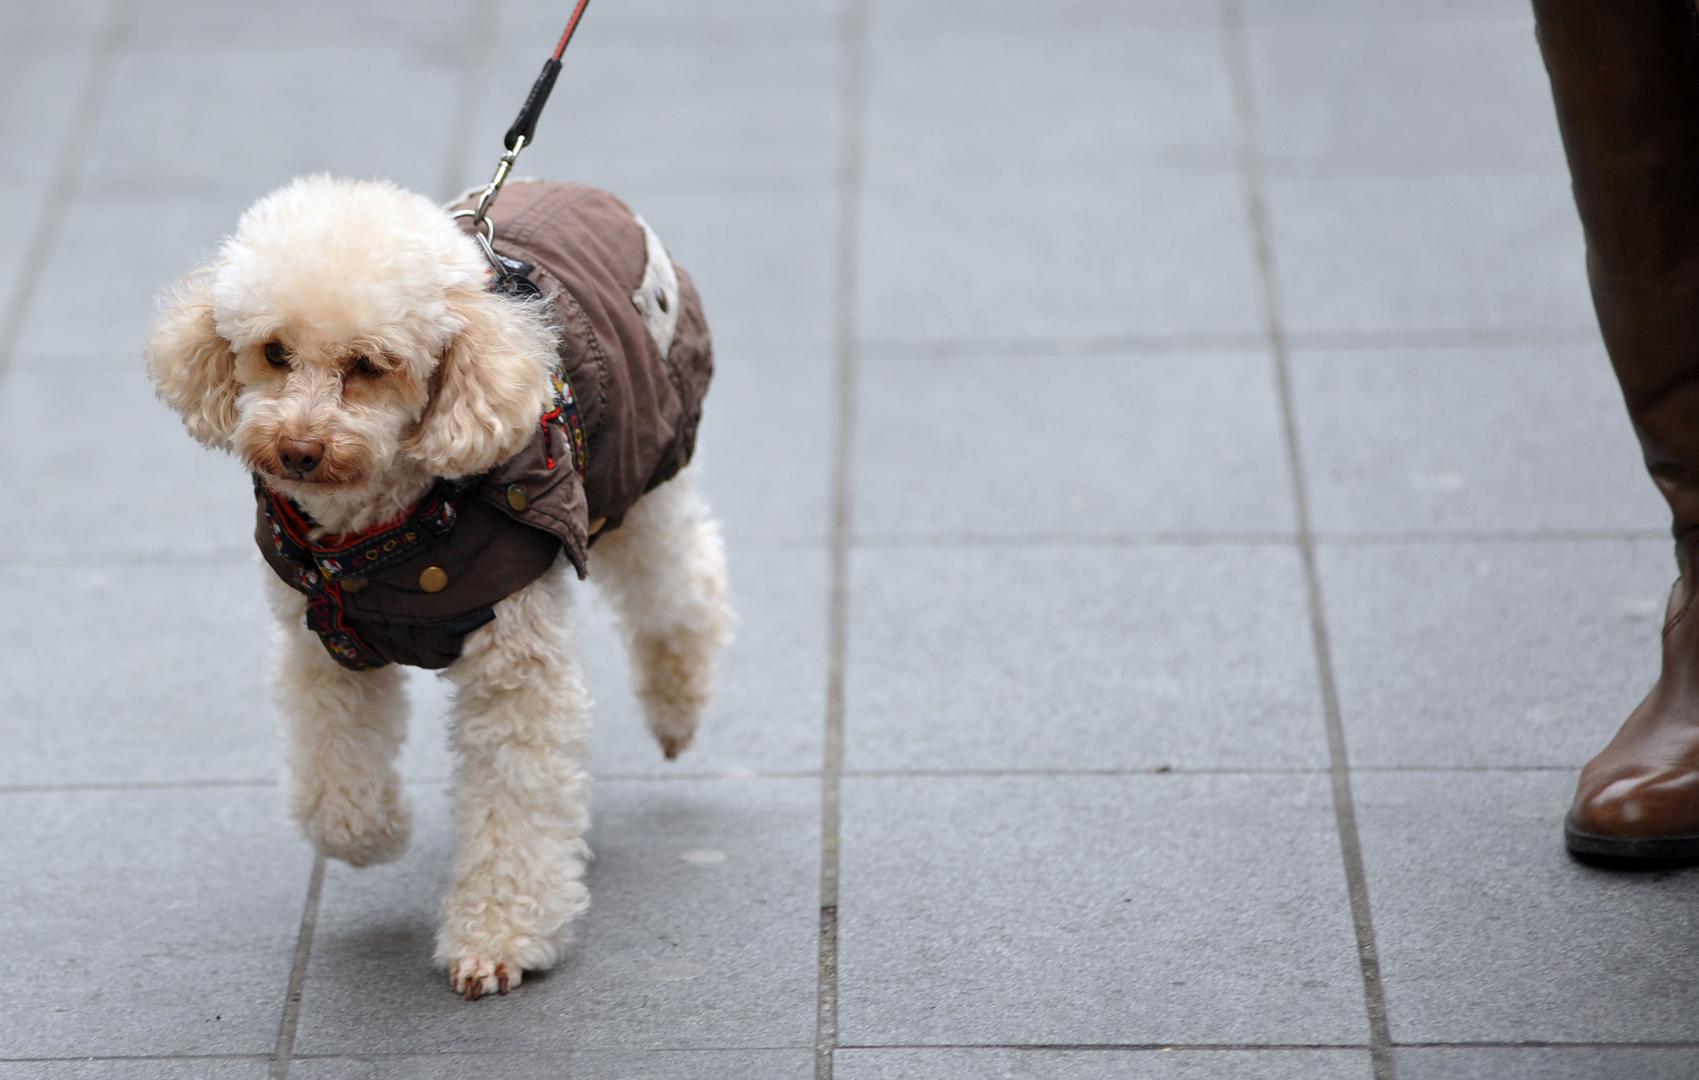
(1185, 531)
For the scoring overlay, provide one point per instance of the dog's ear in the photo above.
(490, 385)
(192, 367)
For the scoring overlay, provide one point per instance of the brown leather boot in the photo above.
(1625, 77)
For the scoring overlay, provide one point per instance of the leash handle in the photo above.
(525, 124)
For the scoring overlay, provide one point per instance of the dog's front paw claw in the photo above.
(475, 976)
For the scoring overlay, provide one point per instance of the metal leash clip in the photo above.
(504, 168)
(518, 136)
(483, 226)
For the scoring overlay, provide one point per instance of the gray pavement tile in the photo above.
(769, 705)
(962, 97)
(670, 100)
(160, 922)
(580, 1065)
(41, 90)
(1488, 932)
(679, 951)
(372, 106)
(764, 449)
(1047, 445)
(1500, 654)
(98, 468)
(1405, 255)
(1387, 11)
(1041, 1064)
(1007, 255)
(1349, 98)
(125, 249)
(152, 1069)
(893, 19)
(1085, 909)
(64, 25)
(542, 19)
(1483, 438)
(1546, 1063)
(176, 25)
(180, 653)
(1080, 658)
(25, 203)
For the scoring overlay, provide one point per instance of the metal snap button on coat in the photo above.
(596, 526)
(353, 584)
(516, 498)
(433, 579)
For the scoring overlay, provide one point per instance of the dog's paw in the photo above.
(474, 976)
(674, 680)
(361, 831)
(487, 945)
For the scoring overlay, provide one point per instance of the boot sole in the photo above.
(1628, 850)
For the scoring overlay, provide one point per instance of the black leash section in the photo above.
(518, 137)
(525, 124)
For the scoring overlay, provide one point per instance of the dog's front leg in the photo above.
(522, 795)
(343, 729)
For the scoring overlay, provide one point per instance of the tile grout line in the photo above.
(284, 1050)
(853, 56)
(89, 99)
(981, 773)
(1339, 766)
(1080, 1048)
(1433, 537)
(1413, 339)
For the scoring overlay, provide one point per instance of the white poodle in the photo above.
(436, 441)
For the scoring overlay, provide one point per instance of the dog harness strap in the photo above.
(369, 551)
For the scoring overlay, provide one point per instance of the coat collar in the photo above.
(356, 554)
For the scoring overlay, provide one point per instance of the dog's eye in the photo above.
(363, 365)
(276, 355)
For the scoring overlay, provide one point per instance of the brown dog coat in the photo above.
(623, 422)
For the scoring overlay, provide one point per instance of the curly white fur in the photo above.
(664, 572)
(324, 274)
(345, 728)
(521, 738)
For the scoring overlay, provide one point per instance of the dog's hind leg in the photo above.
(343, 731)
(521, 793)
(664, 572)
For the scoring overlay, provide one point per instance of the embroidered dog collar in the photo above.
(358, 554)
(320, 567)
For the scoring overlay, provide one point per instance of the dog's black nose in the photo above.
(300, 456)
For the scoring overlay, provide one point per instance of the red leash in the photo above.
(572, 24)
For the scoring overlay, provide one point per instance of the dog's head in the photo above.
(344, 331)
